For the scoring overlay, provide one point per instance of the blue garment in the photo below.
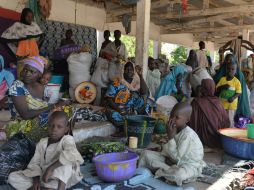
(168, 84)
(5, 75)
(126, 100)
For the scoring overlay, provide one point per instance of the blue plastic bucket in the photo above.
(57, 79)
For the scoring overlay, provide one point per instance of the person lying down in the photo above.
(181, 159)
(56, 162)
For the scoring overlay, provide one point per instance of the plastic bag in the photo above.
(241, 121)
(15, 155)
(100, 76)
(115, 70)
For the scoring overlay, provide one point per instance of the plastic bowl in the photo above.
(236, 143)
(115, 167)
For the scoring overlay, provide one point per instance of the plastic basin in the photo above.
(236, 143)
(115, 167)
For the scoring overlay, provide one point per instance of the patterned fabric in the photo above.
(19, 31)
(18, 89)
(34, 128)
(55, 32)
(15, 154)
(37, 62)
(128, 101)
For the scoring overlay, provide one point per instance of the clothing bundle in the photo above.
(88, 114)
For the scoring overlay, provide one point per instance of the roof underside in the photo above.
(214, 20)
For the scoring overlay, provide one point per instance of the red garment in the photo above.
(208, 115)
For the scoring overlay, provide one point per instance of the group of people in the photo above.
(56, 161)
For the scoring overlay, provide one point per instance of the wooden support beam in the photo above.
(133, 10)
(237, 2)
(207, 12)
(216, 18)
(142, 34)
(226, 23)
(205, 4)
(217, 29)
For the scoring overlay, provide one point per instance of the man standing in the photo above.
(67, 40)
(117, 48)
(201, 56)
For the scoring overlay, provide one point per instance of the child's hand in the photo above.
(171, 129)
(230, 100)
(225, 86)
(48, 173)
(36, 183)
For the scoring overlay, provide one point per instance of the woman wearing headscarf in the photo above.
(243, 107)
(29, 110)
(208, 115)
(172, 83)
(6, 80)
(126, 95)
(28, 101)
(192, 60)
(25, 34)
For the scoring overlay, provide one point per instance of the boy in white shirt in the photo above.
(181, 159)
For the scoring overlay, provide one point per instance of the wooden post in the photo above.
(245, 33)
(142, 34)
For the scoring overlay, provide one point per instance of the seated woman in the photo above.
(204, 109)
(243, 107)
(126, 95)
(28, 101)
(6, 80)
(29, 110)
(172, 83)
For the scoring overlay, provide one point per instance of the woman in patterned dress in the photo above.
(127, 95)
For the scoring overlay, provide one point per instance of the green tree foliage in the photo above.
(130, 43)
(179, 55)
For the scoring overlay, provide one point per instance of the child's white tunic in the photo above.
(181, 160)
(65, 151)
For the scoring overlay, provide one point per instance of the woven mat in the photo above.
(142, 180)
(212, 172)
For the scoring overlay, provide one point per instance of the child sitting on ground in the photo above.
(229, 89)
(56, 162)
(46, 77)
(181, 159)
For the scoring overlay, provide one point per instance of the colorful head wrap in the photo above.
(37, 62)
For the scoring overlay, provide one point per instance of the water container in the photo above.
(53, 92)
(57, 79)
(140, 126)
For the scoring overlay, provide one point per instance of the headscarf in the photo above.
(243, 107)
(168, 84)
(135, 83)
(25, 11)
(208, 115)
(192, 61)
(5, 75)
(37, 62)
